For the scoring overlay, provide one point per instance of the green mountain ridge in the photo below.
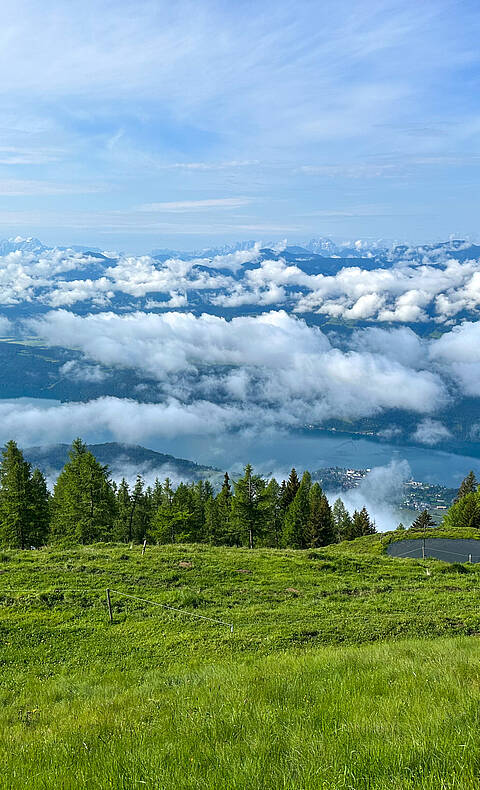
(116, 456)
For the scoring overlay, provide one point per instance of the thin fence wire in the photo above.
(431, 556)
(174, 609)
(345, 617)
(94, 591)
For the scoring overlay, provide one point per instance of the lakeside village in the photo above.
(417, 495)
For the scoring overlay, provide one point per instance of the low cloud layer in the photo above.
(272, 361)
(259, 363)
(406, 286)
(380, 492)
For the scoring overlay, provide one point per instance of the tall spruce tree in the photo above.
(249, 507)
(289, 489)
(423, 521)
(321, 526)
(465, 512)
(15, 499)
(274, 513)
(223, 506)
(362, 524)
(468, 485)
(122, 530)
(40, 508)
(296, 528)
(83, 502)
(342, 521)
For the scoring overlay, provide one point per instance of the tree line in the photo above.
(86, 506)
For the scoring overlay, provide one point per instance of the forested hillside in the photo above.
(86, 506)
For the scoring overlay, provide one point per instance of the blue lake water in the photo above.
(276, 454)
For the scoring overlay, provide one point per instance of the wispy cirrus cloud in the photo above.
(194, 205)
(224, 99)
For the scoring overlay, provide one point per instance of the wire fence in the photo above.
(423, 609)
(440, 549)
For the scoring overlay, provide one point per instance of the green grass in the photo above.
(346, 669)
(435, 532)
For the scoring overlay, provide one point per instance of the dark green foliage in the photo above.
(321, 526)
(122, 530)
(220, 515)
(361, 524)
(274, 512)
(39, 509)
(289, 490)
(468, 486)
(15, 499)
(296, 529)
(87, 507)
(342, 521)
(464, 513)
(83, 503)
(250, 507)
(423, 521)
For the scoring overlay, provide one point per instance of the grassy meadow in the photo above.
(346, 669)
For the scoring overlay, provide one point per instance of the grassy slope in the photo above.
(436, 532)
(295, 698)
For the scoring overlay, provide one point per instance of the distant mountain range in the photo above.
(123, 460)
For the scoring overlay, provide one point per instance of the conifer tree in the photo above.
(187, 527)
(140, 515)
(274, 512)
(83, 502)
(361, 524)
(15, 499)
(249, 506)
(223, 508)
(342, 521)
(296, 532)
(468, 485)
(122, 530)
(465, 513)
(423, 521)
(157, 495)
(289, 489)
(212, 521)
(40, 508)
(321, 526)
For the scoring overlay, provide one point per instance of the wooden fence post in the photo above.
(109, 603)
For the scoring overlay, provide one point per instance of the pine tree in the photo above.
(122, 530)
(139, 516)
(83, 503)
(249, 506)
(361, 524)
(40, 508)
(157, 495)
(465, 512)
(321, 526)
(223, 506)
(296, 533)
(423, 522)
(274, 513)
(15, 499)
(183, 502)
(212, 521)
(289, 490)
(167, 524)
(468, 486)
(342, 521)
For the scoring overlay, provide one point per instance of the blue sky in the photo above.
(151, 124)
